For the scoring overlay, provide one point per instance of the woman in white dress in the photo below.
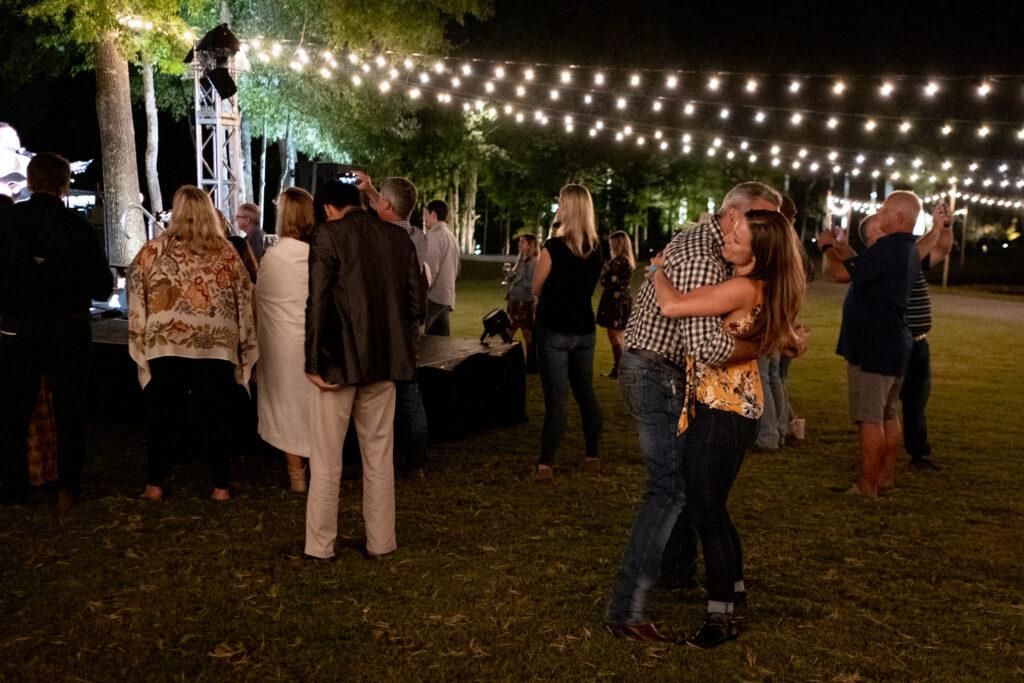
(283, 392)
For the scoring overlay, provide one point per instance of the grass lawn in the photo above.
(498, 578)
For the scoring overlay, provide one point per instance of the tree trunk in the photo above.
(453, 209)
(263, 174)
(156, 200)
(117, 145)
(286, 148)
(246, 130)
(469, 212)
(225, 12)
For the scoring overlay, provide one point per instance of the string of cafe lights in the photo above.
(417, 74)
(417, 83)
(840, 204)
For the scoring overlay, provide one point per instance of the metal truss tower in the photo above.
(218, 144)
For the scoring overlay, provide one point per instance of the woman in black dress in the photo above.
(616, 301)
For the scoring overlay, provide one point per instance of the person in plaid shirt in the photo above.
(652, 377)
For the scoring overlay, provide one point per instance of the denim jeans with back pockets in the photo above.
(567, 361)
(654, 395)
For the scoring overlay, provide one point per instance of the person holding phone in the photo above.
(874, 337)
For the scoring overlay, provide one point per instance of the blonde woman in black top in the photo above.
(564, 282)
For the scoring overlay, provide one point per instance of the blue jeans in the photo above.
(917, 385)
(410, 426)
(654, 396)
(774, 424)
(567, 361)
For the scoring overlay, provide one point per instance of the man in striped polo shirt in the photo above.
(933, 248)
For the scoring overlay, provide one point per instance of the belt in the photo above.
(921, 337)
(656, 358)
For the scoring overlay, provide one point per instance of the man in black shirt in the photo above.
(51, 266)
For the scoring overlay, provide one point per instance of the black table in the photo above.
(466, 386)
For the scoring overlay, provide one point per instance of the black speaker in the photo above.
(497, 324)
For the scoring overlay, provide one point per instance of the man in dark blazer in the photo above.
(367, 294)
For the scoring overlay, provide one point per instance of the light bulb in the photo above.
(796, 119)
(832, 123)
(713, 83)
(794, 87)
(566, 76)
(751, 86)
(931, 89)
(886, 89)
(905, 127)
(671, 82)
(620, 103)
(689, 109)
(839, 88)
(634, 80)
(870, 125)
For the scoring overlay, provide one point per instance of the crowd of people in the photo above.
(323, 321)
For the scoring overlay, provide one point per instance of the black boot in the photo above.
(716, 630)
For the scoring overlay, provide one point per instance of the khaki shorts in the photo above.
(873, 397)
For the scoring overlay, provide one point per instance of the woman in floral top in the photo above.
(759, 303)
(616, 302)
(192, 334)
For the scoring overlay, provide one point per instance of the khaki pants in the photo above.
(372, 408)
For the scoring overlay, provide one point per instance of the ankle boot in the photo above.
(298, 478)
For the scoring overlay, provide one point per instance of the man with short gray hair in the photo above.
(395, 203)
(653, 378)
(247, 220)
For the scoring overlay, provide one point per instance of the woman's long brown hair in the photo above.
(779, 267)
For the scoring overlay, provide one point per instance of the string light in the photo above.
(984, 89)
(566, 76)
(886, 89)
(599, 78)
(530, 73)
(620, 103)
(634, 80)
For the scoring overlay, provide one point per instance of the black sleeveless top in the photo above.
(566, 301)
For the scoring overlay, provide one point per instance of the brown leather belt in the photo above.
(656, 358)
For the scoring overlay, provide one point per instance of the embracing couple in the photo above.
(719, 296)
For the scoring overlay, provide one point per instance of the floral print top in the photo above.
(616, 303)
(190, 305)
(735, 388)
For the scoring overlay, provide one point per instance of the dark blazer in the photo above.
(51, 262)
(367, 297)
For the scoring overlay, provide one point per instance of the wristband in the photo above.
(826, 248)
(653, 268)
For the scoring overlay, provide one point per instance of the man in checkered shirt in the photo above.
(652, 377)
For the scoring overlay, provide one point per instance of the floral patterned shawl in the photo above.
(190, 305)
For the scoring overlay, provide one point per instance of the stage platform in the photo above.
(466, 386)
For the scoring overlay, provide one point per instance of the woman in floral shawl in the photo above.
(191, 333)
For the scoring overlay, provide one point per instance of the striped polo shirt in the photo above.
(919, 307)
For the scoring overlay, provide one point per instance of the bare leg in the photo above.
(296, 472)
(893, 441)
(872, 457)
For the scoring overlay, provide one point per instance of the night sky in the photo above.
(847, 39)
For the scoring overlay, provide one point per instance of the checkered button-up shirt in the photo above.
(419, 240)
(692, 259)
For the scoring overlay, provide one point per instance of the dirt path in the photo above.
(950, 304)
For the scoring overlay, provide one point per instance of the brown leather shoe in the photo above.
(643, 632)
